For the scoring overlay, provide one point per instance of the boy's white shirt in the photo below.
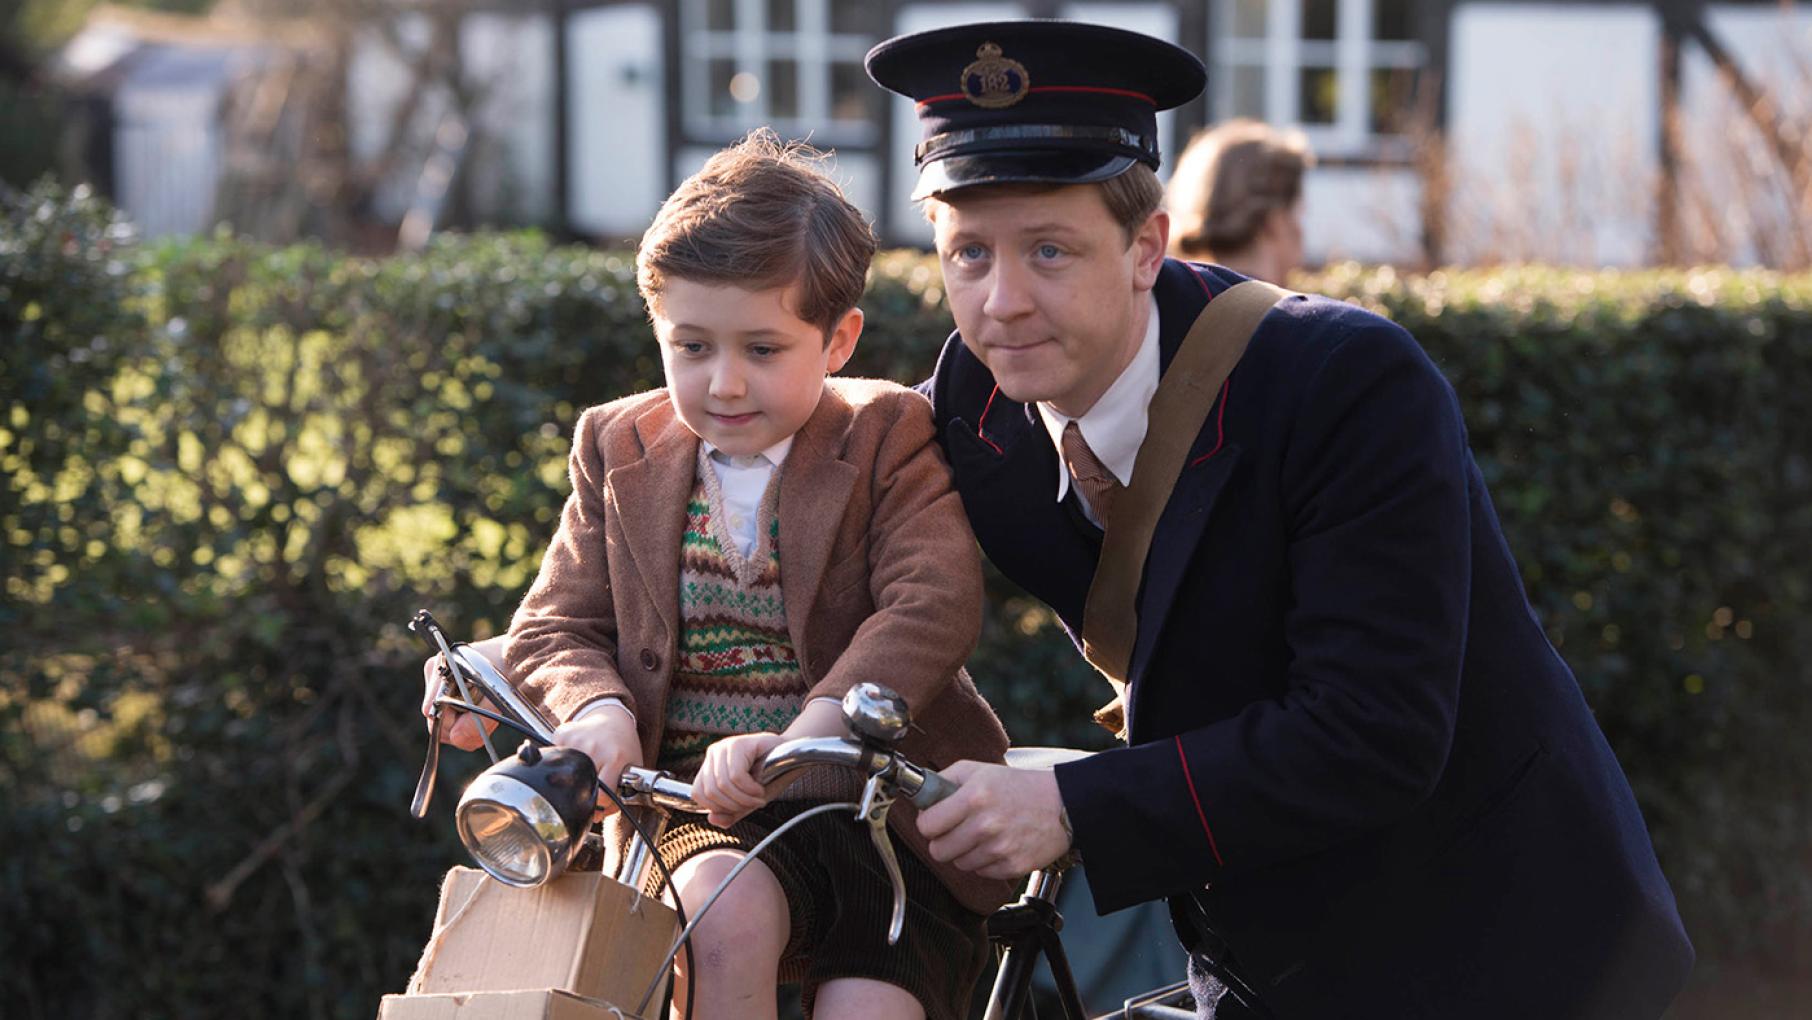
(743, 481)
(1116, 425)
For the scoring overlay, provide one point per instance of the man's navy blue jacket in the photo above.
(1349, 736)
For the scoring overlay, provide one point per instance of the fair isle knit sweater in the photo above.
(736, 671)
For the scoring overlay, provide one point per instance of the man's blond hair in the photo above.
(1130, 198)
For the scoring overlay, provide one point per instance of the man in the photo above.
(1364, 780)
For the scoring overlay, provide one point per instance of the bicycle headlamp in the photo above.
(524, 818)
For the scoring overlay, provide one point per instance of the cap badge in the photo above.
(993, 81)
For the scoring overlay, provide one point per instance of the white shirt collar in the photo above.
(1115, 426)
(775, 455)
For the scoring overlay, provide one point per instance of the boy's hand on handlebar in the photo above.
(608, 736)
(462, 729)
(1002, 823)
(725, 785)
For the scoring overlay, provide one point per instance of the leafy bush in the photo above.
(232, 473)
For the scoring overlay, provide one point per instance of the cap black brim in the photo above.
(954, 172)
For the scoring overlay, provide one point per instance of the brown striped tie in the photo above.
(1098, 484)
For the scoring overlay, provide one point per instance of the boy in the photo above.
(738, 550)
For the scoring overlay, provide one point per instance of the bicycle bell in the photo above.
(876, 713)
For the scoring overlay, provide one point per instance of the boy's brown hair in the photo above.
(762, 214)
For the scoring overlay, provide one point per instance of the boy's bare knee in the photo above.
(865, 998)
(748, 921)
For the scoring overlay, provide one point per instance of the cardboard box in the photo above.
(577, 934)
(529, 1005)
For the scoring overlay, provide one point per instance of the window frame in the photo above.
(751, 45)
(1282, 55)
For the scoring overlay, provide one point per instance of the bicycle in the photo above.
(1022, 931)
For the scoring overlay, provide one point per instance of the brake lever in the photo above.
(424, 621)
(876, 800)
(424, 787)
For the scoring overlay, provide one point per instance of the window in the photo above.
(794, 65)
(1346, 71)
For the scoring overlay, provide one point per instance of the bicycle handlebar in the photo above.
(922, 786)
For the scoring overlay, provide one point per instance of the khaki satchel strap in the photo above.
(1185, 395)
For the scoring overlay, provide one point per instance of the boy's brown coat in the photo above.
(878, 568)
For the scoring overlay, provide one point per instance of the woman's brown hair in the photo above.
(1228, 181)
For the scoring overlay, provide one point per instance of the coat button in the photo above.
(649, 659)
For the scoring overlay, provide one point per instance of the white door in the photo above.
(618, 129)
(166, 138)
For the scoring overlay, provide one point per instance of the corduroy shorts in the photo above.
(840, 902)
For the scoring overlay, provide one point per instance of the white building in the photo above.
(1554, 110)
(589, 111)
(158, 84)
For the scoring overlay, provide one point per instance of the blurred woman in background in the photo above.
(1235, 199)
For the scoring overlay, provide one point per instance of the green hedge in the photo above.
(232, 472)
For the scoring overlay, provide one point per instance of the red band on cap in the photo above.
(1095, 89)
(1101, 90)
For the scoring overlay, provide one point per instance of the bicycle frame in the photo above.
(1028, 928)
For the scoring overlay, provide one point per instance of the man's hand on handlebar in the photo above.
(725, 785)
(1002, 823)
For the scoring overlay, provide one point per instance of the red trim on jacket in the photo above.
(981, 424)
(1220, 429)
(1198, 803)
